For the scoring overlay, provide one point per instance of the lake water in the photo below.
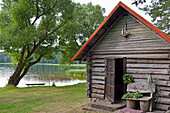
(41, 74)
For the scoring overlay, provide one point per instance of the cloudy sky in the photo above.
(110, 4)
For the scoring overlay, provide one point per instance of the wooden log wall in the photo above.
(146, 53)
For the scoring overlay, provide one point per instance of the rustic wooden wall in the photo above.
(140, 47)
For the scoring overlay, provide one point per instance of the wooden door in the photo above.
(110, 79)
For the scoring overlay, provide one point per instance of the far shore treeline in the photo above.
(4, 58)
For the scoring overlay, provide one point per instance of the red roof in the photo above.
(148, 24)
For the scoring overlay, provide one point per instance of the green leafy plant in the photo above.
(136, 95)
(127, 95)
(128, 79)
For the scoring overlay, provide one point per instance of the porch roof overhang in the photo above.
(107, 23)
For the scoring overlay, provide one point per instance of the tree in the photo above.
(136, 2)
(29, 31)
(159, 10)
(87, 19)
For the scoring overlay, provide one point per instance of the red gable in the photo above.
(120, 4)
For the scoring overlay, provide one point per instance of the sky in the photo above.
(110, 4)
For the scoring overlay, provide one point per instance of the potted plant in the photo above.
(135, 95)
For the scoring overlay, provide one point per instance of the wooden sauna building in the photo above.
(126, 43)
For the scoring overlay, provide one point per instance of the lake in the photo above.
(46, 73)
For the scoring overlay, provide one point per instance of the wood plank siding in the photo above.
(145, 52)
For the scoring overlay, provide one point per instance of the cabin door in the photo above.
(110, 79)
(114, 87)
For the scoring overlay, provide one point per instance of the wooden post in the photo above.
(105, 78)
(124, 65)
(124, 72)
(88, 76)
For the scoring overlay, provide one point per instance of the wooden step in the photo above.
(89, 108)
(128, 110)
(106, 105)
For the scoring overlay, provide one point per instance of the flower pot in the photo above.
(144, 105)
(131, 104)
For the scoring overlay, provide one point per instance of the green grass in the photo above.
(43, 99)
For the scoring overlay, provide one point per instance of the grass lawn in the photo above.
(43, 99)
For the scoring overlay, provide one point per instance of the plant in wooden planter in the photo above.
(132, 103)
(127, 95)
(136, 95)
(128, 79)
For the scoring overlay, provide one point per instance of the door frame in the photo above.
(124, 71)
(106, 73)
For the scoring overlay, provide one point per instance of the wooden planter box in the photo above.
(144, 105)
(131, 104)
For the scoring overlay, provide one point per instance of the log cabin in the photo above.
(126, 43)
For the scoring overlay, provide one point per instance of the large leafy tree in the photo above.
(29, 31)
(159, 10)
(34, 29)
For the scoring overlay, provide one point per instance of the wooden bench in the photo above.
(35, 84)
(144, 89)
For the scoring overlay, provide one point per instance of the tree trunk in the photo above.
(16, 77)
(14, 80)
(20, 72)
